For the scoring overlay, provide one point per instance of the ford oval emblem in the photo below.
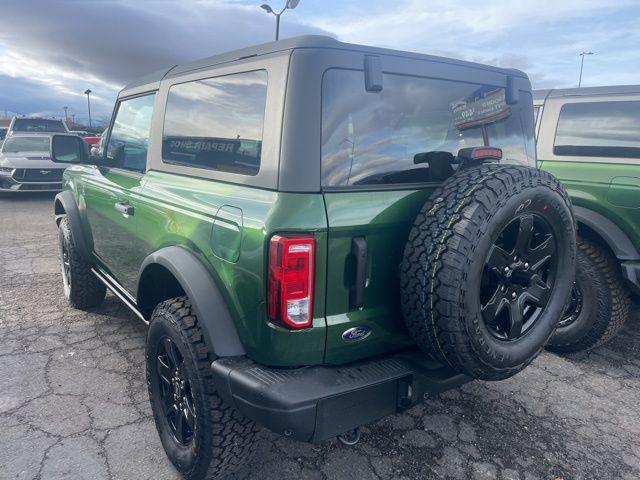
(356, 333)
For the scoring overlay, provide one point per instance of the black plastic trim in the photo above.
(372, 73)
(615, 238)
(213, 316)
(631, 273)
(359, 253)
(71, 211)
(321, 402)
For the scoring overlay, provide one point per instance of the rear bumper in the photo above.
(631, 272)
(318, 403)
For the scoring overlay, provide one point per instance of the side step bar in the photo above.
(119, 292)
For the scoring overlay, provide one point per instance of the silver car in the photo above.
(26, 166)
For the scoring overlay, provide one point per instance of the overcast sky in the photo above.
(53, 50)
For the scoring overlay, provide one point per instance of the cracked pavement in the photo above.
(73, 398)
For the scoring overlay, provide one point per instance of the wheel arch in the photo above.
(174, 271)
(597, 227)
(65, 206)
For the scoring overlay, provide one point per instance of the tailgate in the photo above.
(379, 223)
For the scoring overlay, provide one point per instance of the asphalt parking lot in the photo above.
(73, 398)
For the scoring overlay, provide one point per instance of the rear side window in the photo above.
(412, 130)
(217, 123)
(599, 129)
(129, 139)
(38, 125)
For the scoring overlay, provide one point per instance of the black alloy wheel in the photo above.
(177, 399)
(518, 277)
(574, 308)
(66, 268)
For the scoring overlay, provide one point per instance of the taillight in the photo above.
(480, 153)
(291, 273)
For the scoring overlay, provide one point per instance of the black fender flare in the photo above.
(208, 304)
(613, 236)
(69, 209)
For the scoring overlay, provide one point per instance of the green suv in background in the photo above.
(589, 138)
(318, 234)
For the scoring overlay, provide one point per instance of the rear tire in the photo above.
(81, 287)
(217, 438)
(600, 305)
(459, 303)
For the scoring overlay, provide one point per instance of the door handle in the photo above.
(124, 209)
(360, 255)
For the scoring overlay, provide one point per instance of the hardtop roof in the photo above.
(305, 41)
(585, 91)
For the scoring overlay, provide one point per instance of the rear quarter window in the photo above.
(599, 129)
(217, 123)
(411, 131)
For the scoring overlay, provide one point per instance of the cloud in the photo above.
(57, 49)
(542, 38)
(67, 46)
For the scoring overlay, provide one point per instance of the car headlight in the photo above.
(6, 171)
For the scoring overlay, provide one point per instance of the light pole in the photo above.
(582, 65)
(65, 114)
(291, 4)
(87, 92)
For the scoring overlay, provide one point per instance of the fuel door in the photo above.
(226, 235)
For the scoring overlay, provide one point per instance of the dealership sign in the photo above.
(489, 109)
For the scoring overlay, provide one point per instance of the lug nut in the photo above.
(526, 265)
(506, 269)
(515, 259)
(503, 289)
(513, 295)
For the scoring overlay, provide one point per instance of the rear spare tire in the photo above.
(488, 269)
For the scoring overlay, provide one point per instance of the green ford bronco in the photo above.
(590, 139)
(318, 234)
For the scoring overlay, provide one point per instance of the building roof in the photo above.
(305, 41)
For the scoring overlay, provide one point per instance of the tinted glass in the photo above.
(217, 123)
(599, 129)
(26, 144)
(129, 138)
(412, 130)
(38, 125)
(3, 133)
